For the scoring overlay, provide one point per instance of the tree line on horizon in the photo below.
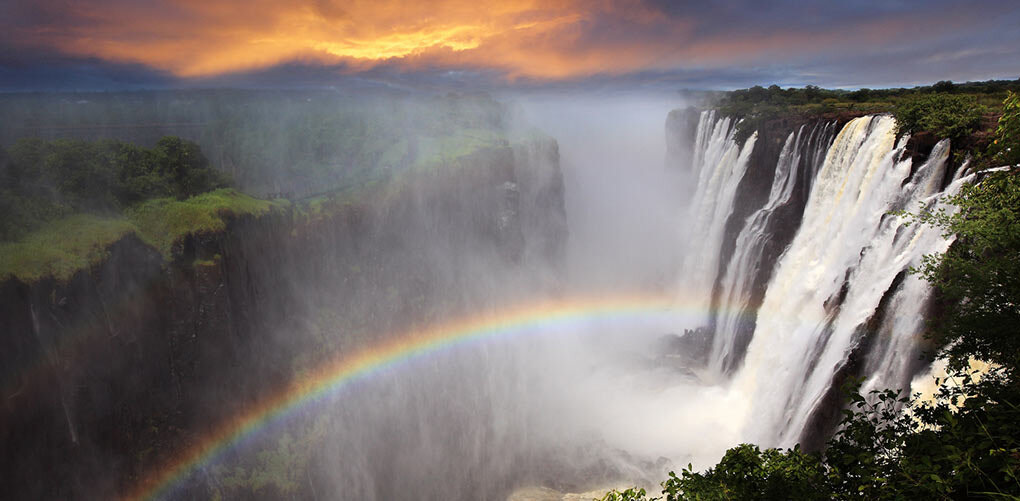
(44, 180)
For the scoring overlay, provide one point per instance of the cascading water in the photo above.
(803, 150)
(839, 301)
(719, 164)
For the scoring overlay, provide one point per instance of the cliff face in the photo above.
(753, 192)
(110, 372)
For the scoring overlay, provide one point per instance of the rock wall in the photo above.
(109, 373)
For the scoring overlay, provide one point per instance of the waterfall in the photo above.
(801, 155)
(720, 164)
(839, 300)
(829, 284)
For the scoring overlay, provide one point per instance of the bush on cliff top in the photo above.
(61, 248)
(1005, 149)
(944, 115)
(44, 180)
(164, 221)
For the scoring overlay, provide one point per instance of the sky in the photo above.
(657, 44)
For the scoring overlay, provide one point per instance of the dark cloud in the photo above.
(24, 70)
(99, 44)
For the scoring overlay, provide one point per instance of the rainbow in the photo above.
(334, 375)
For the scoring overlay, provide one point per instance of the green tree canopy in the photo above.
(42, 180)
(979, 277)
(945, 115)
(1005, 149)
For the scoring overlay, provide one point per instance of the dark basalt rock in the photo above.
(109, 374)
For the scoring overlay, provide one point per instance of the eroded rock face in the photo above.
(108, 374)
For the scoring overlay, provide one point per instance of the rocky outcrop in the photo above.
(112, 371)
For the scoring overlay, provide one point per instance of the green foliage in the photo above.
(944, 115)
(744, 102)
(979, 277)
(1005, 149)
(61, 248)
(758, 105)
(165, 221)
(44, 180)
(631, 494)
(184, 167)
(863, 458)
(963, 444)
(747, 472)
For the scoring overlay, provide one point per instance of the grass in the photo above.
(61, 248)
(446, 148)
(163, 222)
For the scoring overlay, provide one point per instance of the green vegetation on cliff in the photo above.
(62, 247)
(41, 181)
(814, 100)
(322, 147)
(952, 116)
(164, 221)
(963, 112)
(979, 277)
(67, 245)
(1005, 148)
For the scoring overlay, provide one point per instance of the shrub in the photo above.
(1005, 149)
(979, 277)
(43, 180)
(747, 472)
(945, 115)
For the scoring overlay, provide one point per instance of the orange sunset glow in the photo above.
(199, 39)
(511, 40)
(523, 38)
(504, 42)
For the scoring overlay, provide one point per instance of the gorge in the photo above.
(597, 303)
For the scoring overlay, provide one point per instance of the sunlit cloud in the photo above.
(519, 39)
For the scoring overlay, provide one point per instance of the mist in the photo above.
(623, 200)
(401, 230)
(617, 262)
(574, 406)
(518, 251)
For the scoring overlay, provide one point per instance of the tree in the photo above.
(943, 86)
(978, 278)
(1005, 149)
(43, 180)
(861, 95)
(945, 115)
(747, 472)
(185, 165)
